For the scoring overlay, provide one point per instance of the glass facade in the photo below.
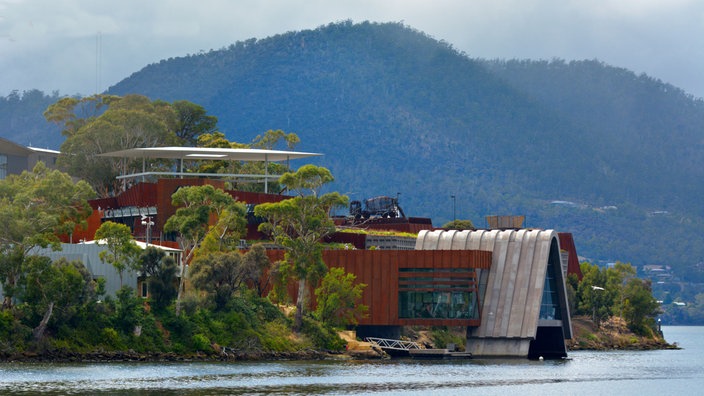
(437, 293)
(550, 304)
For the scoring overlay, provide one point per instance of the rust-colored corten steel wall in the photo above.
(567, 243)
(158, 194)
(140, 195)
(166, 187)
(379, 270)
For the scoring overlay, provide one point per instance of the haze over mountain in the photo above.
(579, 146)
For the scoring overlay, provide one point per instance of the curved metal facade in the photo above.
(513, 290)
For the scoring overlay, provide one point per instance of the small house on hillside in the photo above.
(15, 158)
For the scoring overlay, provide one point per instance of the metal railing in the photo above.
(386, 343)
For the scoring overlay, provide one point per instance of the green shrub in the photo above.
(78, 338)
(129, 310)
(14, 336)
(181, 329)
(7, 323)
(201, 343)
(178, 348)
(276, 336)
(442, 336)
(244, 307)
(322, 337)
(190, 304)
(236, 321)
(110, 338)
(151, 338)
(592, 337)
(264, 309)
(61, 345)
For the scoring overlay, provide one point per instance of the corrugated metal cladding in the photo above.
(379, 270)
(512, 288)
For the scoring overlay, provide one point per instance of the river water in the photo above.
(667, 372)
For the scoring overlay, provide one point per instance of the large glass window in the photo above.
(550, 305)
(437, 293)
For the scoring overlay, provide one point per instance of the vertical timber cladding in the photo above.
(440, 275)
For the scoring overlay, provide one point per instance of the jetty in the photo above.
(414, 350)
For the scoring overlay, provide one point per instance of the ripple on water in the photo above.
(654, 372)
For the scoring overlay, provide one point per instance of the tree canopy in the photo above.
(53, 293)
(338, 299)
(459, 225)
(615, 291)
(35, 208)
(104, 123)
(192, 121)
(122, 252)
(191, 222)
(300, 223)
(270, 140)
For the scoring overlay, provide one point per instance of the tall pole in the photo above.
(147, 221)
(454, 212)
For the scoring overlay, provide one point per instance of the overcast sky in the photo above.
(53, 45)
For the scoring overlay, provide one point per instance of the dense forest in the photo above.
(22, 122)
(579, 146)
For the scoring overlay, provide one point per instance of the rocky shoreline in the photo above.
(612, 334)
(132, 356)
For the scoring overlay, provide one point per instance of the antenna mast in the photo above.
(98, 60)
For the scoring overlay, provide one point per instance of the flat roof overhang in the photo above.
(208, 154)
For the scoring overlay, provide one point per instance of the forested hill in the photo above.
(22, 122)
(396, 111)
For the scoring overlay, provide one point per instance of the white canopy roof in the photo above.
(207, 153)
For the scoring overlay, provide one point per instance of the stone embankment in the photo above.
(360, 349)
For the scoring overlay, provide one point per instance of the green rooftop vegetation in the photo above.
(377, 232)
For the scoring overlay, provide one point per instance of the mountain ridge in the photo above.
(397, 111)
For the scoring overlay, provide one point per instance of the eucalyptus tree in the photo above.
(338, 297)
(35, 208)
(257, 268)
(191, 222)
(54, 291)
(616, 291)
(270, 140)
(104, 123)
(122, 251)
(300, 223)
(224, 235)
(639, 306)
(220, 274)
(192, 121)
